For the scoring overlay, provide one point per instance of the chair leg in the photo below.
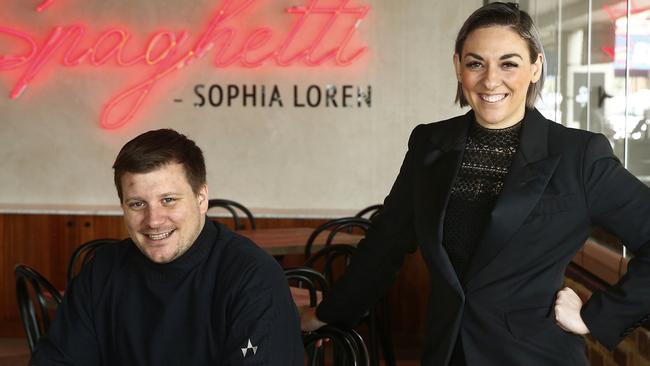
(373, 341)
(385, 335)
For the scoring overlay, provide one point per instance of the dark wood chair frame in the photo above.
(233, 207)
(83, 254)
(35, 305)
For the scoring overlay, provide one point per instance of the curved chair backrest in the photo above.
(334, 227)
(347, 348)
(363, 357)
(309, 279)
(233, 208)
(83, 254)
(37, 301)
(332, 261)
(370, 212)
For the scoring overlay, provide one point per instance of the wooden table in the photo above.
(282, 241)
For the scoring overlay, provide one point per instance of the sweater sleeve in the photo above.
(620, 204)
(263, 322)
(71, 340)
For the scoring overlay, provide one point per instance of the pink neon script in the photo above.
(169, 51)
(44, 5)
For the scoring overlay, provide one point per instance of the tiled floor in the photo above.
(14, 352)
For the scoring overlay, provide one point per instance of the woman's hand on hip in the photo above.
(567, 312)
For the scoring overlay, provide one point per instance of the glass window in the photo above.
(598, 58)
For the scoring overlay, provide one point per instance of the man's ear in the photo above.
(202, 196)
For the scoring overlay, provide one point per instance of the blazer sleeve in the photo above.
(380, 254)
(619, 203)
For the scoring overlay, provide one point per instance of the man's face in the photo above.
(162, 213)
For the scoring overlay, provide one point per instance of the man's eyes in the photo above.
(136, 205)
(167, 201)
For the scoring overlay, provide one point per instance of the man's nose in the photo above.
(154, 216)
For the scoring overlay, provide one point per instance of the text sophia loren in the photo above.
(300, 96)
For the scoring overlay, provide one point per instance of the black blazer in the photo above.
(561, 182)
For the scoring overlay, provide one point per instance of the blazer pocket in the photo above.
(553, 204)
(526, 322)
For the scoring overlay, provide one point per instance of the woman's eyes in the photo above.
(475, 65)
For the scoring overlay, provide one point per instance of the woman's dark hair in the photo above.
(509, 15)
(154, 149)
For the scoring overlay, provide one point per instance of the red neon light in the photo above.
(12, 62)
(44, 5)
(609, 51)
(164, 50)
(620, 10)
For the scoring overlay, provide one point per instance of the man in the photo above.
(181, 290)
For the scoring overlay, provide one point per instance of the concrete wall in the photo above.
(53, 150)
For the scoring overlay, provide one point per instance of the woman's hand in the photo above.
(567, 312)
(309, 322)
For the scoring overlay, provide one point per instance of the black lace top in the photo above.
(486, 160)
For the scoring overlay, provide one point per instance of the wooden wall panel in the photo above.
(46, 242)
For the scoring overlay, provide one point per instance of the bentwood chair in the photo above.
(83, 254)
(311, 282)
(333, 227)
(236, 210)
(331, 345)
(369, 212)
(37, 302)
(333, 261)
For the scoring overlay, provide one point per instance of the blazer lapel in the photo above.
(440, 162)
(529, 174)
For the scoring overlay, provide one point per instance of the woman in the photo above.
(499, 200)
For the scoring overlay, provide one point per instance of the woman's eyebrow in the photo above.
(509, 55)
(506, 56)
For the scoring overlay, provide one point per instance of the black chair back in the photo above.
(370, 212)
(332, 261)
(308, 279)
(37, 302)
(234, 208)
(331, 345)
(83, 254)
(334, 227)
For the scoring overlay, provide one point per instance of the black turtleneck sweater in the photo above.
(223, 302)
(486, 160)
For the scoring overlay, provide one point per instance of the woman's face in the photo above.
(495, 72)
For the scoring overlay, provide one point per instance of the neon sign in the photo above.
(169, 52)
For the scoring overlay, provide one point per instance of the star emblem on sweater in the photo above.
(250, 346)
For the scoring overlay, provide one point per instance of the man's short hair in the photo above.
(154, 149)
